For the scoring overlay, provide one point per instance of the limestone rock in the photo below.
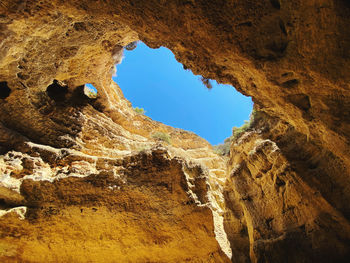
(276, 202)
(83, 179)
(138, 211)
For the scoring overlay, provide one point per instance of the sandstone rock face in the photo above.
(277, 200)
(84, 179)
(138, 209)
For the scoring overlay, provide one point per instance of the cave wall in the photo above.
(285, 190)
(141, 213)
(282, 198)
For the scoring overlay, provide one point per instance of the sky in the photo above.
(152, 79)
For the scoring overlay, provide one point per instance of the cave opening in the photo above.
(83, 95)
(159, 86)
(90, 91)
(57, 91)
(4, 90)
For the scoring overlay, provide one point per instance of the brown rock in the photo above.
(285, 196)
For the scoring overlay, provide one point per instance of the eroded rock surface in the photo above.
(277, 199)
(136, 209)
(74, 185)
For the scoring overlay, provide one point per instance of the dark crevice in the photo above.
(81, 97)
(24, 86)
(57, 92)
(8, 204)
(290, 83)
(4, 90)
(78, 97)
(276, 4)
(98, 105)
(4, 149)
(301, 101)
(283, 27)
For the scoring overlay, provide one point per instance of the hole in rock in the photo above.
(56, 91)
(160, 87)
(84, 95)
(90, 91)
(4, 90)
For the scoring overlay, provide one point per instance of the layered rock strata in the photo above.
(281, 199)
(142, 208)
(74, 184)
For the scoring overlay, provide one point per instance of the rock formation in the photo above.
(85, 179)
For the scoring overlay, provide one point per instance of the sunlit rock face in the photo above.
(136, 209)
(85, 179)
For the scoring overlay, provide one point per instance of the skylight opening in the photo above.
(90, 91)
(159, 87)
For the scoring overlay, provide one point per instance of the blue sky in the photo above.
(152, 79)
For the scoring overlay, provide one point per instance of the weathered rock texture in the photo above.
(281, 199)
(74, 186)
(144, 212)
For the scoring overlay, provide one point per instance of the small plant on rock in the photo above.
(162, 136)
(139, 110)
(224, 148)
